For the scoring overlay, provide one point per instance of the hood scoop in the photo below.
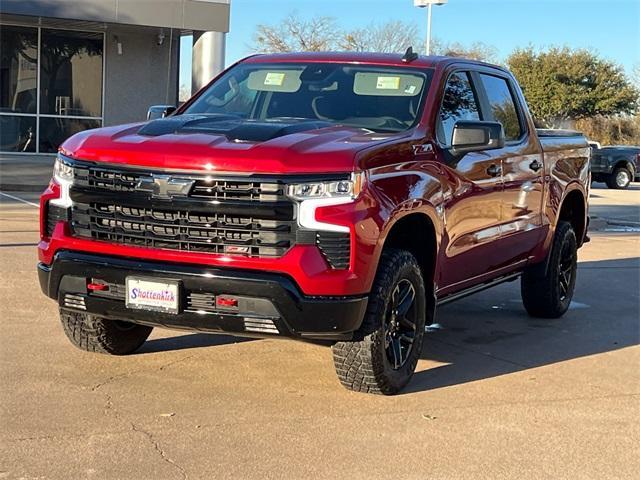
(234, 128)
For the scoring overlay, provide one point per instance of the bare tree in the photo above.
(295, 34)
(391, 37)
(635, 75)
(475, 51)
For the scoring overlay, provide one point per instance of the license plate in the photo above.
(154, 295)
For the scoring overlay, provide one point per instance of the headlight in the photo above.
(313, 195)
(63, 176)
(62, 171)
(332, 189)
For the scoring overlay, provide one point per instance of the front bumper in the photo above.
(269, 304)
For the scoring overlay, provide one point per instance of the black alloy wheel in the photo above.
(547, 287)
(384, 352)
(400, 324)
(566, 271)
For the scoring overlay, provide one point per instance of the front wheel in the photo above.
(385, 351)
(620, 178)
(548, 294)
(95, 334)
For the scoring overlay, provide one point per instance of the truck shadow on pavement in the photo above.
(490, 334)
(190, 340)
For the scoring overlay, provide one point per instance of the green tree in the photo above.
(563, 85)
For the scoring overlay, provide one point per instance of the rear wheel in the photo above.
(548, 294)
(385, 351)
(95, 334)
(620, 178)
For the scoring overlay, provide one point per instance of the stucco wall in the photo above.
(138, 78)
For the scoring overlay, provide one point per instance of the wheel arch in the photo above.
(624, 163)
(573, 209)
(417, 233)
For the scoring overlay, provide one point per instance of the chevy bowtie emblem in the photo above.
(165, 186)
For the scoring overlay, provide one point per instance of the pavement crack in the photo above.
(180, 360)
(113, 378)
(120, 376)
(159, 449)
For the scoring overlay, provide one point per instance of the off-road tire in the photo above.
(544, 294)
(613, 182)
(362, 364)
(95, 334)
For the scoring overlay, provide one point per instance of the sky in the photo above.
(610, 27)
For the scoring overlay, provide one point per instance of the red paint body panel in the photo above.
(478, 233)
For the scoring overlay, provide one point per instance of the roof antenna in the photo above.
(409, 56)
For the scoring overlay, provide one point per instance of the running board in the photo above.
(478, 288)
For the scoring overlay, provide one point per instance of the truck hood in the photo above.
(227, 145)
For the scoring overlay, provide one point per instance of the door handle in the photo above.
(494, 170)
(535, 165)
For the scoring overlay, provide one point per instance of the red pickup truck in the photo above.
(325, 197)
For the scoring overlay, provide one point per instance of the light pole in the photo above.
(428, 4)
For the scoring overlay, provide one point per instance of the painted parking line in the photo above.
(18, 199)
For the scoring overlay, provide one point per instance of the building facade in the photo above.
(70, 65)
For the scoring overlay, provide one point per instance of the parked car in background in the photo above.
(617, 166)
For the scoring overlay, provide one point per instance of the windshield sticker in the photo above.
(388, 83)
(411, 89)
(274, 79)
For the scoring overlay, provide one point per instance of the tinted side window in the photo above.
(459, 103)
(503, 106)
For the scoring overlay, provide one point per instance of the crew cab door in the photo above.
(522, 166)
(473, 194)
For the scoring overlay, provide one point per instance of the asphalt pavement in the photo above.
(496, 395)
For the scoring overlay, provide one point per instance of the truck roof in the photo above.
(388, 59)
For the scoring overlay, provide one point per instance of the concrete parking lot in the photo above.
(497, 394)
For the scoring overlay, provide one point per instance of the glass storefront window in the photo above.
(55, 130)
(48, 90)
(17, 133)
(18, 69)
(71, 73)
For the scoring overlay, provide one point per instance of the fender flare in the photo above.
(571, 187)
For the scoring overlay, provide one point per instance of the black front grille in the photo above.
(108, 179)
(112, 180)
(240, 216)
(336, 248)
(237, 190)
(196, 231)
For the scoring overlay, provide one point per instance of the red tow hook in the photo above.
(227, 302)
(97, 287)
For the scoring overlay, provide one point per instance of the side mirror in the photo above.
(160, 111)
(472, 136)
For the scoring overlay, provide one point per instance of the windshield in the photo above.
(381, 99)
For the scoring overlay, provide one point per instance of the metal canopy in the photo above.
(200, 15)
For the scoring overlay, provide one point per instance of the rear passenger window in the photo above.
(459, 103)
(503, 106)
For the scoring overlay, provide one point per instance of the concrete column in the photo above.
(207, 57)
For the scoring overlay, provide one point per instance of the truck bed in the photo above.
(561, 140)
